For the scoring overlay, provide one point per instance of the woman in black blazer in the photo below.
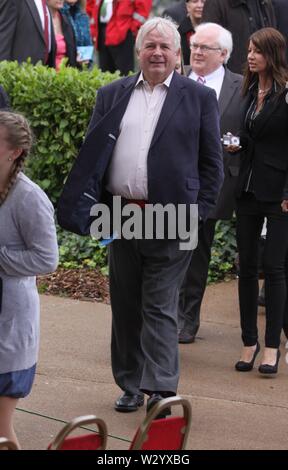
(263, 192)
(64, 34)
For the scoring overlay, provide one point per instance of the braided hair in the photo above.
(18, 135)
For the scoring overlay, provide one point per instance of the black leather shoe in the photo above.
(129, 402)
(185, 337)
(267, 368)
(242, 366)
(152, 400)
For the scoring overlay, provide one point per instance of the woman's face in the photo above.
(256, 60)
(195, 8)
(56, 4)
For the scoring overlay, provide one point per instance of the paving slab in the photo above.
(230, 410)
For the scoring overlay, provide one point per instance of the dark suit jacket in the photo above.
(4, 100)
(185, 157)
(21, 33)
(281, 12)
(230, 107)
(70, 40)
(177, 11)
(235, 16)
(265, 148)
(184, 28)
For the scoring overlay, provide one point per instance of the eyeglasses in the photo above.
(203, 48)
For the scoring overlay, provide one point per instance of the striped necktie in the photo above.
(46, 29)
(201, 80)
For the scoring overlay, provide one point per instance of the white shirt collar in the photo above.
(166, 82)
(212, 76)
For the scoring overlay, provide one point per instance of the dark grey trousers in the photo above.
(194, 284)
(145, 278)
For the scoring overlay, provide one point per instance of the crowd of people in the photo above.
(213, 135)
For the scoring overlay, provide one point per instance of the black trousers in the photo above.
(194, 284)
(112, 58)
(250, 216)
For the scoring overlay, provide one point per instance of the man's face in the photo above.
(158, 56)
(205, 60)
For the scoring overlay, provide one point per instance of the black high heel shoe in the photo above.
(242, 366)
(267, 368)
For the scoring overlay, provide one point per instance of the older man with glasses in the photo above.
(211, 47)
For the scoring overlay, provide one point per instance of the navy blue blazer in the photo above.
(4, 100)
(185, 156)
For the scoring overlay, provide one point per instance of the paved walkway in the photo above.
(230, 410)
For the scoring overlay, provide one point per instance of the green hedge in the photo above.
(58, 106)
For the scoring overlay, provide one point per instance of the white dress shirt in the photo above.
(127, 174)
(39, 6)
(213, 80)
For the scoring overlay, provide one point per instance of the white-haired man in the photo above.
(211, 47)
(154, 138)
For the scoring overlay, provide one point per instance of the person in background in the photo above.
(28, 247)
(75, 10)
(262, 191)
(187, 26)
(177, 11)
(26, 31)
(281, 13)
(64, 34)
(153, 138)
(211, 47)
(114, 26)
(241, 18)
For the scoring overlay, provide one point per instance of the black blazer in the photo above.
(265, 149)
(21, 33)
(230, 104)
(184, 28)
(281, 12)
(4, 100)
(184, 162)
(177, 12)
(70, 40)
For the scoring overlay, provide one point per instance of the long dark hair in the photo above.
(272, 45)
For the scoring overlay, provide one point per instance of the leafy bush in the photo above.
(80, 252)
(223, 251)
(58, 106)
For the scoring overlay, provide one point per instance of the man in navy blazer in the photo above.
(153, 138)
